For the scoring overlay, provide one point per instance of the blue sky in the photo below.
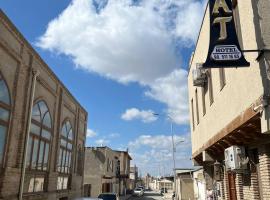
(122, 60)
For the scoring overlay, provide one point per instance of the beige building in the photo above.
(42, 126)
(147, 180)
(133, 177)
(199, 184)
(153, 184)
(184, 189)
(100, 171)
(166, 182)
(123, 176)
(232, 109)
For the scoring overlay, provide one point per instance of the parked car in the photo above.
(141, 187)
(86, 198)
(108, 196)
(138, 192)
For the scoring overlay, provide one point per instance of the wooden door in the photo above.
(106, 187)
(87, 190)
(232, 186)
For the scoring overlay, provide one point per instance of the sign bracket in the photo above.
(261, 52)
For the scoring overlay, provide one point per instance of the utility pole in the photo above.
(173, 150)
(173, 154)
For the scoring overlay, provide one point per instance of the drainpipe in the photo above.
(33, 88)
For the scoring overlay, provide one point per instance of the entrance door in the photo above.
(106, 187)
(232, 187)
(87, 190)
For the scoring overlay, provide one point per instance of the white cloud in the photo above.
(130, 43)
(91, 133)
(102, 142)
(133, 113)
(154, 153)
(172, 90)
(158, 141)
(187, 24)
(121, 42)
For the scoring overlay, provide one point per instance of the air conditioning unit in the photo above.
(199, 76)
(235, 158)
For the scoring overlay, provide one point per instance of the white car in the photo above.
(138, 192)
(141, 187)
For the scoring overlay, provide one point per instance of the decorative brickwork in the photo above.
(239, 186)
(225, 183)
(251, 191)
(264, 158)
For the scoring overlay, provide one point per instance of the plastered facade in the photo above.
(238, 100)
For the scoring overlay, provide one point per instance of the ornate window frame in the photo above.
(5, 116)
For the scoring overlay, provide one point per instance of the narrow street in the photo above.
(148, 195)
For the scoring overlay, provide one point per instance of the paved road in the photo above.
(148, 195)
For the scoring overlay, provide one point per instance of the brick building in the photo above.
(232, 109)
(36, 107)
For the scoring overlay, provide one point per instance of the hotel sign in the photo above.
(224, 49)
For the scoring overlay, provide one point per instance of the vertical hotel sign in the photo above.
(224, 49)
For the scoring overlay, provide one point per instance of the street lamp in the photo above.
(173, 148)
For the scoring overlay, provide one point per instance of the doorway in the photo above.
(232, 186)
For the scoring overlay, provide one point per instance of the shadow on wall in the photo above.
(99, 155)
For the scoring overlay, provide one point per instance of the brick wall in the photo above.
(239, 186)
(17, 60)
(225, 183)
(251, 191)
(264, 167)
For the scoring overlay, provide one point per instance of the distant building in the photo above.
(147, 180)
(199, 184)
(101, 167)
(55, 129)
(184, 189)
(153, 185)
(133, 176)
(123, 176)
(105, 170)
(166, 182)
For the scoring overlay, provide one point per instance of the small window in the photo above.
(197, 106)
(210, 86)
(62, 183)
(203, 101)
(36, 184)
(192, 114)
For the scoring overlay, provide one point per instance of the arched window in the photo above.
(65, 155)
(5, 106)
(40, 138)
(66, 144)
